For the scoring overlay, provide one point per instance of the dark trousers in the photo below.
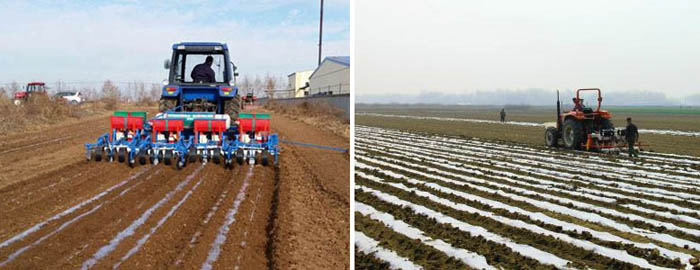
(631, 150)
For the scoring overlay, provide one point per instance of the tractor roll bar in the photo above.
(600, 99)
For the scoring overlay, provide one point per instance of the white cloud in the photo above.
(126, 41)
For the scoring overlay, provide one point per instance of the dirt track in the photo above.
(59, 212)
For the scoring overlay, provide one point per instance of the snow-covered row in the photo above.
(538, 216)
(429, 149)
(525, 250)
(667, 161)
(467, 257)
(601, 250)
(429, 155)
(563, 200)
(668, 157)
(609, 169)
(670, 132)
(522, 123)
(562, 187)
(614, 169)
(515, 123)
(583, 215)
(371, 247)
(593, 194)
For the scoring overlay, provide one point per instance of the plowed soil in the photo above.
(58, 211)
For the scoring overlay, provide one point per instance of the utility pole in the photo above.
(320, 35)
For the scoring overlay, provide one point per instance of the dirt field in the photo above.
(435, 201)
(59, 212)
(534, 135)
(687, 118)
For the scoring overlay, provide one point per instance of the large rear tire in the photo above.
(232, 107)
(166, 104)
(573, 134)
(551, 137)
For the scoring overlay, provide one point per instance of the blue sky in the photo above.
(129, 39)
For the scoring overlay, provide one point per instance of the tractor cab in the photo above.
(581, 111)
(579, 105)
(182, 92)
(36, 87)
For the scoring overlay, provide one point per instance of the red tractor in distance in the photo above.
(583, 128)
(33, 88)
(249, 99)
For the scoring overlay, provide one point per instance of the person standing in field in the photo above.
(503, 115)
(631, 136)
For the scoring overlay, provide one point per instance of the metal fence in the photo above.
(336, 89)
(330, 90)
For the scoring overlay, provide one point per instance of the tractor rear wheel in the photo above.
(166, 104)
(551, 137)
(573, 134)
(232, 107)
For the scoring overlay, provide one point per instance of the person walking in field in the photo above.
(631, 136)
(503, 115)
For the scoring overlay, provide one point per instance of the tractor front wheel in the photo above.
(573, 134)
(551, 137)
(166, 104)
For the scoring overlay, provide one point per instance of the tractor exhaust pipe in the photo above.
(558, 112)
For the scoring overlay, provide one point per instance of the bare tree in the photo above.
(111, 95)
(257, 86)
(270, 85)
(155, 92)
(88, 93)
(245, 85)
(14, 87)
(60, 86)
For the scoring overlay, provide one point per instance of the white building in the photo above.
(331, 77)
(298, 82)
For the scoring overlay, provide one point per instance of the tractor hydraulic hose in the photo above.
(316, 145)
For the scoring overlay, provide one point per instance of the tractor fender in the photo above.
(571, 116)
(549, 125)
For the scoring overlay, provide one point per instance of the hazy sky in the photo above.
(409, 46)
(128, 40)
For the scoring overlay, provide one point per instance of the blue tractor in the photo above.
(200, 118)
(184, 92)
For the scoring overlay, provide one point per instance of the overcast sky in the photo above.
(413, 46)
(128, 40)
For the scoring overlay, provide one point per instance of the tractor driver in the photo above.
(578, 104)
(203, 73)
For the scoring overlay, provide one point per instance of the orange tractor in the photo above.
(583, 128)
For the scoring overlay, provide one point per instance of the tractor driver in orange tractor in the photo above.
(578, 104)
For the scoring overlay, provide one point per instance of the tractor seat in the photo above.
(587, 110)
